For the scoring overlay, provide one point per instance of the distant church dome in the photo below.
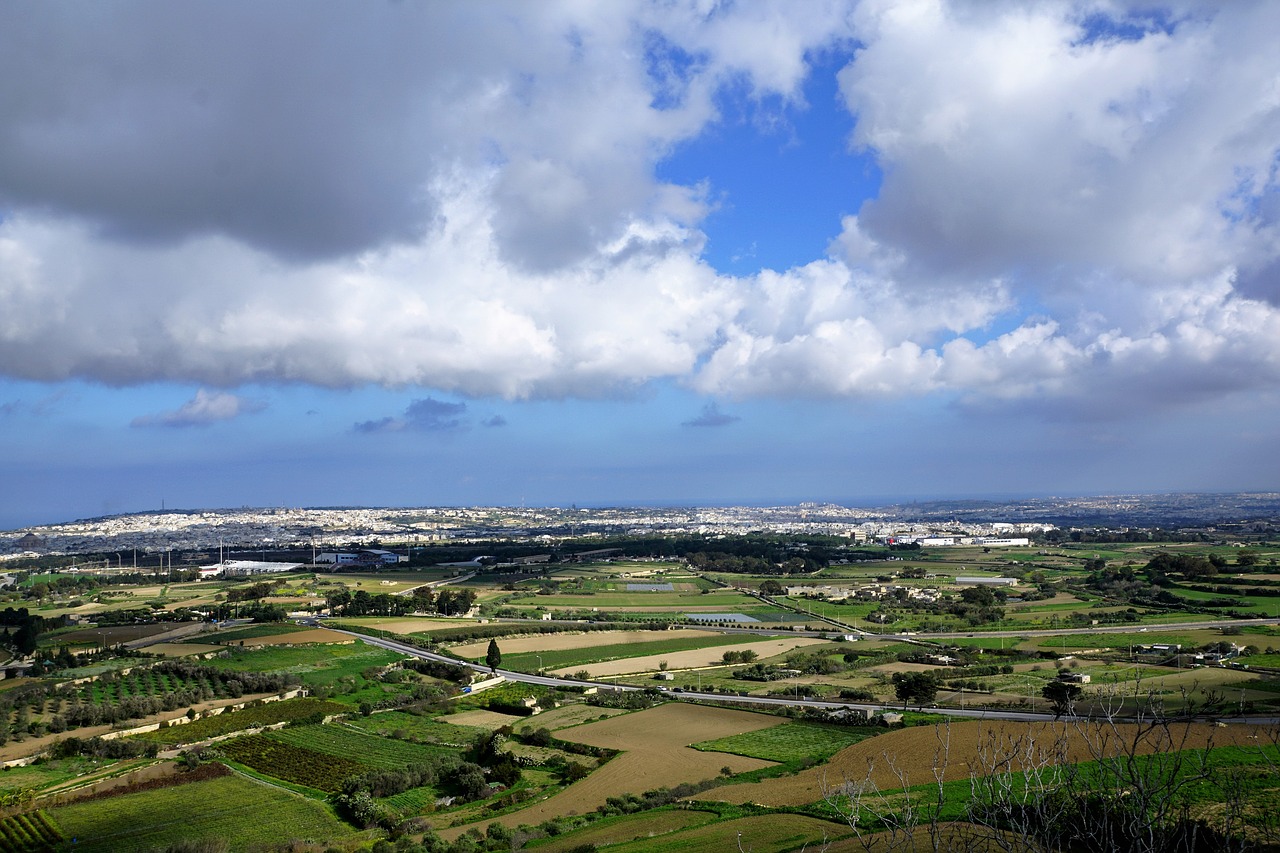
(30, 542)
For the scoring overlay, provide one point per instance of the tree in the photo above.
(915, 688)
(772, 587)
(1062, 696)
(493, 657)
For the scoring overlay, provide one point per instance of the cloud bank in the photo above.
(1079, 202)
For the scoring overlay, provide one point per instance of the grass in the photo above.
(251, 632)
(32, 832)
(617, 830)
(49, 773)
(1250, 767)
(215, 810)
(422, 729)
(371, 750)
(318, 664)
(792, 742)
(762, 832)
(265, 714)
(309, 768)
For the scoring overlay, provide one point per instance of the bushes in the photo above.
(99, 748)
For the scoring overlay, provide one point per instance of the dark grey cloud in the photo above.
(425, 415)
(495, 421)
(711, 416)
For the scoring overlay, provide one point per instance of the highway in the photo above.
(798, 702)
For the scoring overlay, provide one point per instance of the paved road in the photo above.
(689, 695)
(554, 681)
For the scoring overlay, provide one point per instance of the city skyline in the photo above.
(637, 254)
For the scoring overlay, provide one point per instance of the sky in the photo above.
(672, 252)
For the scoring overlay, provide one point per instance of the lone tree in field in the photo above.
(916, 688)
(1062, 696)
(493, 657)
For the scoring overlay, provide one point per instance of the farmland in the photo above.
(793, 741)
(572, 770)
(582, 652)
(215, 809)
(654, 752)
(307, 767)
(912, 756)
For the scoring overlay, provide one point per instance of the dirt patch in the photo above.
(585, 640)
(961, 750)
(655, 755)
(900, 666)
(411, 625)
(298, 638)
(689, 659)
(569, 715)
(481, 719)
(177, 650)
(1059, 598)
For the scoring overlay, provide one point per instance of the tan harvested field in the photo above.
(482, 719)
(299, 638)
(584, 640)
(744, 608)
(960, 751)
(655, 755)
(899, 666)
(178, 650)
(410, 624)
(689, 659)
(1059, 598)
(563, 718)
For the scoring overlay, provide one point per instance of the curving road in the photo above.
(689, 695)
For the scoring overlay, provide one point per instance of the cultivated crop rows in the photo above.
(292, 763)
(28, 833)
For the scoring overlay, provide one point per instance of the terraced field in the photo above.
(370, 750)
(655, 754)
(215, 810)
(957, 750)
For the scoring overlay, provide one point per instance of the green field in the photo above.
(306, 767)
(265, 714)
(319, 664)
(765, 832)
(232, 808)
(370, 750)
(795, 741)
(250, 632)
(47, 773)
(32, 832)
(413, 727)
(616, 830)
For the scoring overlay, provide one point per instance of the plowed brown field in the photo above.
(688, 659)
(298, 638)
(655, 755)
(586, 640)
(961, 750)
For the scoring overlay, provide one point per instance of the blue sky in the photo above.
(634, 253)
